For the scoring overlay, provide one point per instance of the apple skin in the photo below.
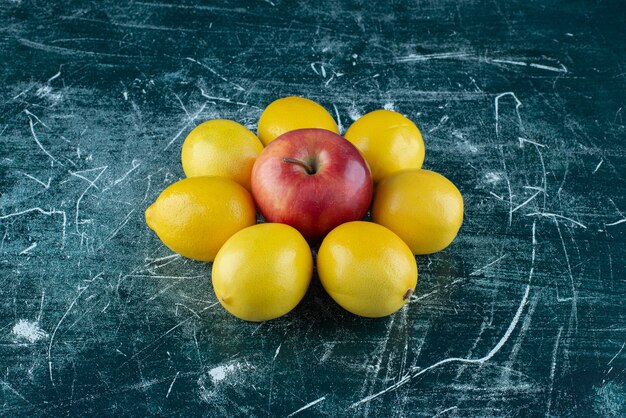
(339, 189)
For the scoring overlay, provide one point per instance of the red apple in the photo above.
(313, 180)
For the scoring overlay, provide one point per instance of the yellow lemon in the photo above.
(221, 148)
(389, 142)
(291, 113)
(262, 272)
(196, 215)
(424, 208)
(367, 269)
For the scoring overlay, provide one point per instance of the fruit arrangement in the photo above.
(313, 188)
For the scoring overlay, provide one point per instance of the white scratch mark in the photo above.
(339, 125)
(45, 185)
(92, 183)
(560, 69)
(148, 276)
(463, 56)
(57, 75)
(116, 230)
(307, 406)
(598, 166)
(44, 212)
(182, 106)
(56, 328)
(23, 92)
(445, 410)
(158, 266)
(237, 86)
(12, 389)
(413, 298)
(507, 369)
(497, 196)
(522, 140)
(476, 85)
(184, 127)
(443, 120)
(621, 221)
(552, 371)
(535, 188)
(43, 295)
(520, 63)
(527, 201)
(79, 174)
(544, 176)
(172, 384)
(179, 304)
(508, 185)
(32, 131)
(488, 265)
(134, 165)
(554, 215)
(618, 353)
(277, 351)
(436, 56)
(224, 99)
(574, 298)
(169, 331)
(167, 257)
(145, 196)
(29, 331)
(618, 113)
(497, 105)
(26, 250)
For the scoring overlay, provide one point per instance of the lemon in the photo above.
(262, 272)
(221, 148)
(367, 269)
(196, 215)
(291, 113)
(389, 142)
(424, 208)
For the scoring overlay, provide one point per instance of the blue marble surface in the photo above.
(521, 104)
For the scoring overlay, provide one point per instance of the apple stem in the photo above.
(307, 167)
(407, 294)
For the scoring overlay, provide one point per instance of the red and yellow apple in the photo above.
(313, 180)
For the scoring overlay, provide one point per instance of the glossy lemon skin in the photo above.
(367, 269)
(221, 148)
(291, 113)
(389, 141)
(195, 216)
(262, 272)
(422, 207)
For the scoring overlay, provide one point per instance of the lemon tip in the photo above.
(149, 216)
